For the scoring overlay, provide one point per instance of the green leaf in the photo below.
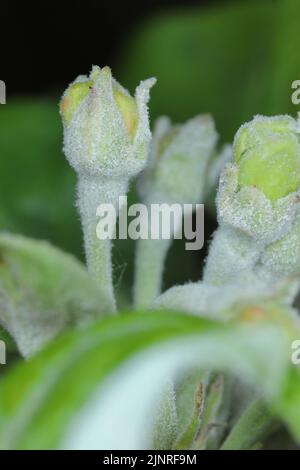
(37, 187)
(42, 291)
(98, 388)
(253, 426)
(190, 396)
(212, 407)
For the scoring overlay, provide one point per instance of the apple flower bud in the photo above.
(106, 131)
(106, 138)
(258, 193)
(178, 160)
(267, 152)
(258, 203)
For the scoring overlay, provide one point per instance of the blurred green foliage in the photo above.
(44, 400)
(234, 60)
(36, 183)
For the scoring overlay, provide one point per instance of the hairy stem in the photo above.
(151, 253)
(150, 258)
(91, 193)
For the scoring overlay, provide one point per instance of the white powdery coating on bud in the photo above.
(254, 234)
(177, 172)
(249, 210)
(255, 135)
(231, 254)
(106, 142)
(97, 142)
(218, 302)
(283, 257)
(142, 95)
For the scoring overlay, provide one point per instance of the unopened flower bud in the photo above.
(106, 131)
(106, 137)
(178, 159)
(258, 193)
(267, 152)
(258, 203)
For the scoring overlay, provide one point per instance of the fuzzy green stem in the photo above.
(150, 258)
(151, 254)
(91, 193)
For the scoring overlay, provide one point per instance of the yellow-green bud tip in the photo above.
(267, 151)
(73, 97)
(78, 90)
(128, 109)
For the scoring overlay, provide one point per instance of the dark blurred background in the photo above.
(233, 58)
(44, 45)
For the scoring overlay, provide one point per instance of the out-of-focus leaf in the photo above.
(42, 291)
(190, 397)
(37, 186)
(253, 426)
(165, 420)
(212, 407)
(233, 60)
(98, 388)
